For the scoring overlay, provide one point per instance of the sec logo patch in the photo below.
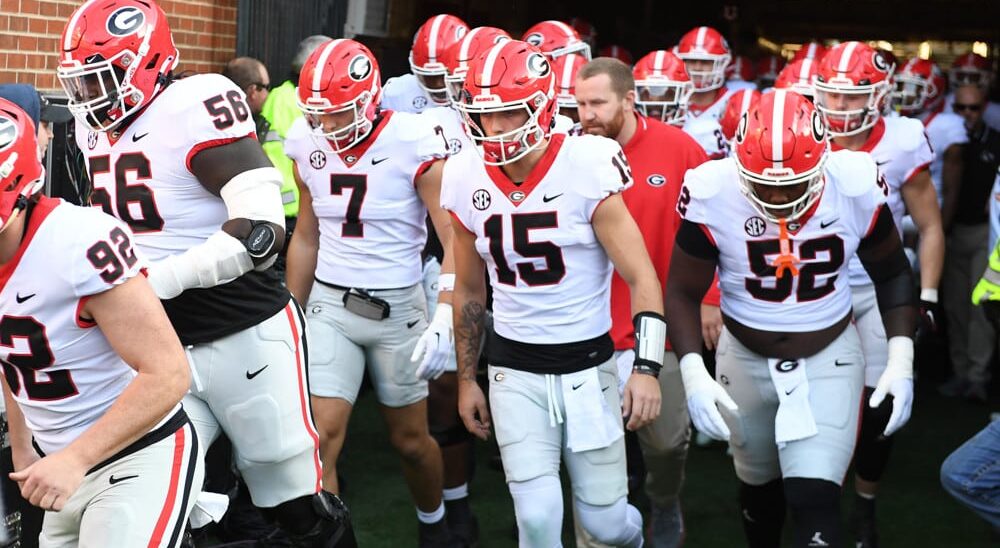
(755, 226)
(317, 159)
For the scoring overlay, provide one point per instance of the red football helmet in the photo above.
(918, 86)
(586, 31)
(810, 50)
(740, 68)
(852, 87)
(704, 44)
(970, 68)
(21, 172)
(461, 53)
(555, 38)
(116, 56)
(662, 87)
(739, 102)
(432, 40)
(510, 76)
(798, 76)
(781, 142)
(340, 76)
(617, 52)
(565, 69)
(768, 69)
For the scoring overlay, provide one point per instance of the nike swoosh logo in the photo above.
(409, 325)
(21, 299)
(135, 138)
(839, 363)
(113, 480)
(255, 373)
(575, 386)
(789, 392)
(882, 163)
(828, 223)
(604, 389)
(379, 161)
(548, 199)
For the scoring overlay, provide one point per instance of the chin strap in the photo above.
(785, 261)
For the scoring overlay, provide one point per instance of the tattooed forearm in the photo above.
(469, 332)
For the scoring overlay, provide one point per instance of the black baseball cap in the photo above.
(35, 105)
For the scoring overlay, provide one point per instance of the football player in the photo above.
(706, 55)
(662, 87)
(780, 219)
(177, 160)
(798, 76)
(368, 179)
(93, 373)
(566, 68)
(544, 212)
(737, 104)
(918, 92)
(852, 88)
(425, 87)
(605, 92)
(740, 74)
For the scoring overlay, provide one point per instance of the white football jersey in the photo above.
(900, 150)
(451, 123)
(748, 243)
(943, 130)
(404, 94)
(144, 177)
(371, 219)
(551, 278)
(61, 369)
(703, 125)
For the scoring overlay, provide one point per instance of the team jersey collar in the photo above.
(641, 125)
(696, 110)
(518, 193)
(878, 130)
(351, 156)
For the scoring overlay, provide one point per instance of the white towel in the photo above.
(208, 507)
(794, 419)
(590, 422)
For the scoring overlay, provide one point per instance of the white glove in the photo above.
(897, 379)
(703, 397)
(436, 345)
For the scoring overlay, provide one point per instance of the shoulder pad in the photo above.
(905, 133)
(706, 180)
(853, 173)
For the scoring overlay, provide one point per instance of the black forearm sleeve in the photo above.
(692, 239)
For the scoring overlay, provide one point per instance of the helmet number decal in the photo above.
(125, 21)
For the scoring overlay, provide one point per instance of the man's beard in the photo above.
(609, 129)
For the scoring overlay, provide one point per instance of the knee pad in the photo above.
(872, 454)
(762, 511)
(617, 524)
(453, 434)
(538, 507)
(315, 521)
(815, 507)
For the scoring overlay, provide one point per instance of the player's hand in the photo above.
(473, 409)
(704, 396)
(711, 325)
(49, 482)
(930, 318)
(435, 345)
(897, 379)
(22, 459)
(641, 400)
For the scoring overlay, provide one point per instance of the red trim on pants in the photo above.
(303, 403)
(168, 505)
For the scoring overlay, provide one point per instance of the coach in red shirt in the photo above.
(659, 155)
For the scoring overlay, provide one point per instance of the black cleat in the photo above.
(437, 535)
(462, 522)
(865, 530)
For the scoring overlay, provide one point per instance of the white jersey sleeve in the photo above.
(605, 160)
(404, 94)
(111, 256)
(944, 129)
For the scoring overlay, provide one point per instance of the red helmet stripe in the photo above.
(658, 60)
(433, 38)
(567, 30)
(845, 56)
(491, 59)
(745, 103)
(805, 70)
(566, 79)
(68, 43)
(320, 64)
(699, 41)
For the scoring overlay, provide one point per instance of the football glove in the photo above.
(897, 379)
(704, 395)
(435, 345)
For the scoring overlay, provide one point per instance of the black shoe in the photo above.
(437, 535)
(462, 522)
(865, 530)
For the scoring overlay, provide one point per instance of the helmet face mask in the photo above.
(342, 136)
(850, 110)
(509, 146)
(663, 100)
(431, 44)
(910, 93)
(706, 55)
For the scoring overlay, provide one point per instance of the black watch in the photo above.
(261, 240)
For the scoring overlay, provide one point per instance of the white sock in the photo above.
(431, 517)
(455, 493)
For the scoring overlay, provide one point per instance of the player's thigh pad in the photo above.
(148, 504)
(599, 477)
(529, 446)
(336, 356)
(393, 373)
(259, 394)
(871, 331)
(835, 398)
(744, 375)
